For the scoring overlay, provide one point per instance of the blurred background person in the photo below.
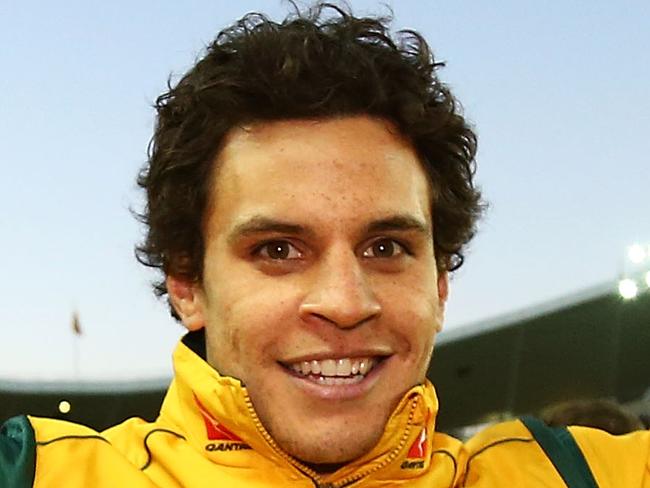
(603, 414)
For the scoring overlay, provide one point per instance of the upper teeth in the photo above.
(335, 367)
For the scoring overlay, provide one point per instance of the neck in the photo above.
(324, 468)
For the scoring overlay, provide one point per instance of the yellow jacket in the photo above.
(208, 435)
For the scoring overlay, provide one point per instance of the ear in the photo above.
(187, 299)
(443, 294)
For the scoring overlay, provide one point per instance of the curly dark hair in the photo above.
(600, 413)
(319, 63)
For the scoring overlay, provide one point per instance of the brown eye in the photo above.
(278, 250)
(384, 248)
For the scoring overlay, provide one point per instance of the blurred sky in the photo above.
(559, 93)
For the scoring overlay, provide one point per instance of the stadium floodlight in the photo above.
(64, 406)
(636, 253)
(627, 288)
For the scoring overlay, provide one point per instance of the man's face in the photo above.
(320, 290)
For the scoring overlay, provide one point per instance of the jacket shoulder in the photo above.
(62, 448)
(506, 454)
(503, 433)
(47, 430)
(17, 453)
(615, 460)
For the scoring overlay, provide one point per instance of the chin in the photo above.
(329, 448)
(340, 455)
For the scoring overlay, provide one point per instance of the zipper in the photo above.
(391, 455)
(278, 450)
(313, 475)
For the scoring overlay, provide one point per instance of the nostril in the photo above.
(341, 314)
(341, 320)
(323, 318)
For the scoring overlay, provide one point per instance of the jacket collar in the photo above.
(216, 415)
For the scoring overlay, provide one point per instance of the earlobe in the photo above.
(187, 300)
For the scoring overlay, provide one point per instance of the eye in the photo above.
(278, 250)
(384, 248)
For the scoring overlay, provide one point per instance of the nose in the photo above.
(340, 292)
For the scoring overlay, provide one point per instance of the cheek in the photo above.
(243, 329)
(414, 295)
(225, 331)
(422, 330)
(414, 318)
(421, 338)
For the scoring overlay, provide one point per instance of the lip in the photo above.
(337, 392)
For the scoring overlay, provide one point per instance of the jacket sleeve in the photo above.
(646, 480)
(17, 453)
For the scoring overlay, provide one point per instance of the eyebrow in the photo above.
(259, 224)
(399, 223)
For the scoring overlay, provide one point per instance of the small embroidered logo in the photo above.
(418, 450)
(216, 431)
(226, 446)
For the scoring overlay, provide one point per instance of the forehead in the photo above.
(334, 169)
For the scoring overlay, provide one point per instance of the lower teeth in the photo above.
(336, 380)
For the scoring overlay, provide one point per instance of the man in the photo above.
(309, 188)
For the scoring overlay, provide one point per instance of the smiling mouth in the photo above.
(330, 372)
